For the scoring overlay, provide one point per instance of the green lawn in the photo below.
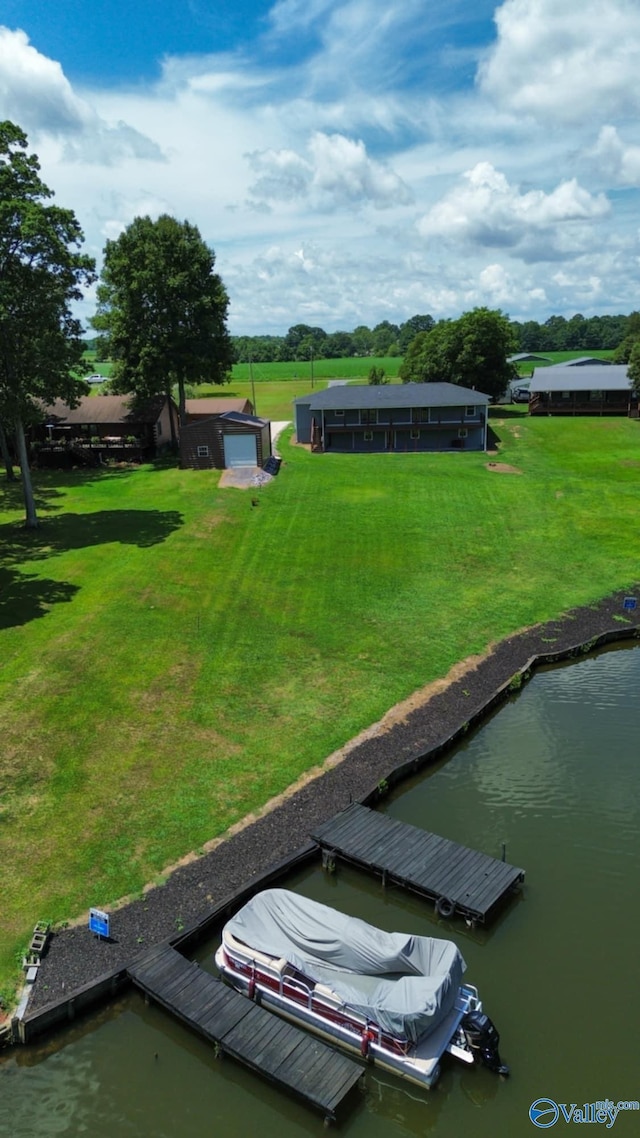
(172, 657)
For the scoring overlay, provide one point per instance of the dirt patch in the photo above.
(240, 477)
(503, 468)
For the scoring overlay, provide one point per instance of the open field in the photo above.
(353, 367)
(173, 657)
(348, 368)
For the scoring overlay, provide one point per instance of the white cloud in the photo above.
(289, 162)
(615, 161)
(338, 172)
(561, 63)
(35, 93)
(485, 209)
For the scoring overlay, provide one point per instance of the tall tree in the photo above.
(409, 330)
(471, 351)
(41, 274)
(162, 310)
(633, 370)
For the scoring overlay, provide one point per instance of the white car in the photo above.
(94, 378)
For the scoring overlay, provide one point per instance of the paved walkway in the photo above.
(276, 430)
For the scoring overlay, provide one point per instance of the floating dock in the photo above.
(270, 1046)
(455, 878)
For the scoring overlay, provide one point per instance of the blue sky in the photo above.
(349, 161)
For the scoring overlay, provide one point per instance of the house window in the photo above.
(369, 416)
(566, 395)
(339, 412)
(415, 434)
(470, 412)
(203, 452)
(419, 415)
(595, 395)
(159, 428)
(462, 433)
(368, 436)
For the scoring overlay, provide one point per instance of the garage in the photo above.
(232, 439)
(240, 450)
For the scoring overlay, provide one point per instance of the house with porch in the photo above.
(104, 427)
(405, 418)
(584, 390)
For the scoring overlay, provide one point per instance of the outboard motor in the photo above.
(483, 1040)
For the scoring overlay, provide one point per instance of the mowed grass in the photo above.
(172, 657)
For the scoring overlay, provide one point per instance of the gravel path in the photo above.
(75, 957)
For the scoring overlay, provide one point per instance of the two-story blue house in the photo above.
(393, 417)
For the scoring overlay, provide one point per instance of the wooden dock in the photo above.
(455, 878)
(268, 1045)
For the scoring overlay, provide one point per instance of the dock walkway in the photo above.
(270, 1046)
(457, 879)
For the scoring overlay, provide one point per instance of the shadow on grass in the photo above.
(11, 497)
(25, 598)
(492, 439)
(76, 531)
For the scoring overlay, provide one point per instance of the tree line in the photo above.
(557, 334)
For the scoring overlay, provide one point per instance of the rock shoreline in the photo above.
(75, 958)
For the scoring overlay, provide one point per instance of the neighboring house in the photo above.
(105, 426)
(229, 440)
(584, 361)
(393, 417)
(206, 408)
(582, 390)
(528, 357)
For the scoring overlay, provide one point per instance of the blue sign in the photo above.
(99, 922)
(630, 604)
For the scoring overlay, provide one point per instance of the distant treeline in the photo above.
(557, 334)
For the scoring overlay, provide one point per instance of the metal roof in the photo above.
(240, 417)
(524, 357)
(586, 378)
(584, 361)
(371, 396)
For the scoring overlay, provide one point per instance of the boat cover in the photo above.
(406, 984)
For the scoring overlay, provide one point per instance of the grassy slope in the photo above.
(194, 655)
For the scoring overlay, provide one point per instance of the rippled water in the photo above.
(555, 776)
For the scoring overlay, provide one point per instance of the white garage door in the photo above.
(239, 450)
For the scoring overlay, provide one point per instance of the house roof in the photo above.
(585, 361)
(105, 409)
(612, 378)
(371, 396)
(524, 357)
(240, 417)
(214, 406)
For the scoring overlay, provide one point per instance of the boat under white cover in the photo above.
(396, 999)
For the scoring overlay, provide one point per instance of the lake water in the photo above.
(554, 774)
